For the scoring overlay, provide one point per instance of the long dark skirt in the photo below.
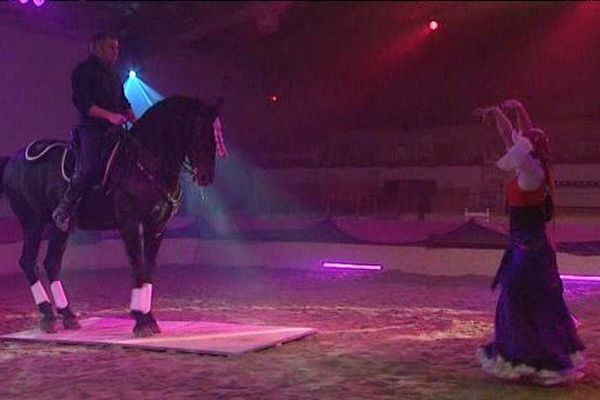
(535, 335)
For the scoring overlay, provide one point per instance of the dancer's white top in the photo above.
(529, 170)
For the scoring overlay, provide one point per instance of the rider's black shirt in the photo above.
(95, 83)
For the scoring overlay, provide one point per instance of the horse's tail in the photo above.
(3, 161)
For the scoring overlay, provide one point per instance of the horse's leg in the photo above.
(32, 237)
(139, 294)
(52, 263)
(152, 240)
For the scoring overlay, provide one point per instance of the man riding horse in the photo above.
(99, 97)
(140, 194)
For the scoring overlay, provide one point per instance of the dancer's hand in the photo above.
(483, 112)
(512, 103)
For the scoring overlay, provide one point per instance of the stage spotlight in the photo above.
(434, 25)
(23, 1)
(140, 95)
(39, 3)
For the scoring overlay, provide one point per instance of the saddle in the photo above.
(39, 149)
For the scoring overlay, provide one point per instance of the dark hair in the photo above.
(542, 151)
(100, 37)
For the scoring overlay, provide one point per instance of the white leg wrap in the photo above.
(146, 298)
(39, 293)
(58, 294)
(135, 299)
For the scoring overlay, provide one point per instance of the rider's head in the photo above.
(106, 47)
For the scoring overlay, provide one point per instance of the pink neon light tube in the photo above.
(340, 265)
(588, 278)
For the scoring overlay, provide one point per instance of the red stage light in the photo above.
(433, 25)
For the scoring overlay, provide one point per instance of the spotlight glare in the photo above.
(132, 74)
(39, 3)
(433, 25)
(23, 1)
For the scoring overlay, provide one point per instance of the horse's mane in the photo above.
(168, 111)
(170, 121)
(166, 127)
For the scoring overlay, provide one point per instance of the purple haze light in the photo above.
(23, 1)
(39, 3)
(343, 265)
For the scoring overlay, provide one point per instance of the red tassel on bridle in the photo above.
(220, 143)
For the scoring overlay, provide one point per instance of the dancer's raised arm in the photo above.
(503, 124)
(524, 123)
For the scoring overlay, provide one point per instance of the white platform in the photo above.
(211, 338)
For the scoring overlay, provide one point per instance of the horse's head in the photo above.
(181, 128)
(202, 145)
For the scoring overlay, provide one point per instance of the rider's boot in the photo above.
(63, 214)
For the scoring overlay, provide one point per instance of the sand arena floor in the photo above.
(381, 335)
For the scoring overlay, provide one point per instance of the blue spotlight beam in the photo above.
(143, 92)
(140, 95)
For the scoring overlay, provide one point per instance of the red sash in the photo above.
(518, 197)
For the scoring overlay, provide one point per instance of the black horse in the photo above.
(137, 197)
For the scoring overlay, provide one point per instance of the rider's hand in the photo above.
(117, 119)
(130, 116)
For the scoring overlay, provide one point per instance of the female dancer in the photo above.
(535, 336)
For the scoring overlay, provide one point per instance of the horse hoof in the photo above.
(48, 325)
(143, 331)
(155, 328)
(71, 324)
(153, 324)
(145, 324)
